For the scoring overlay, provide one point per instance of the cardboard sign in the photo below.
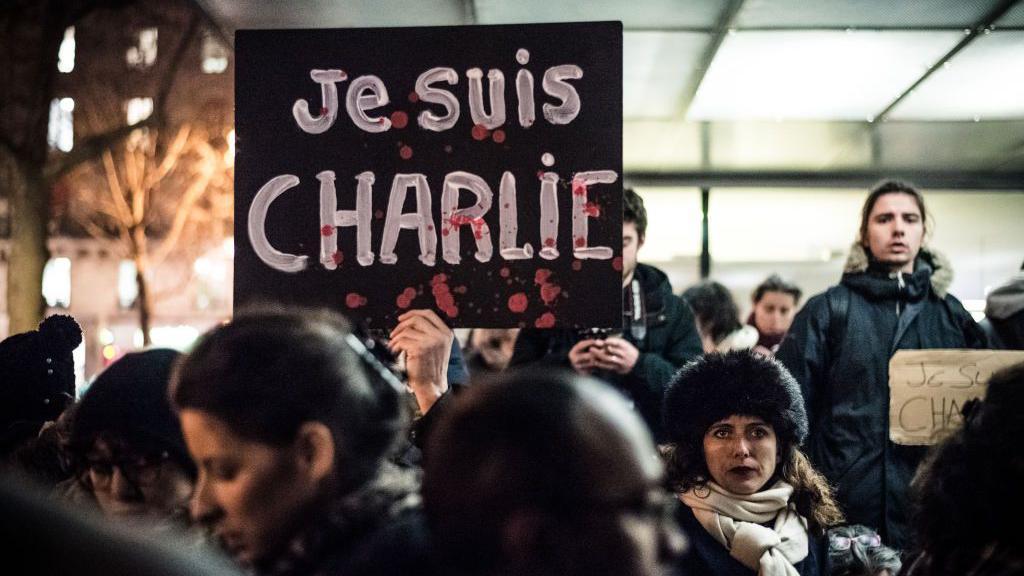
(928, 388)
(475, 170)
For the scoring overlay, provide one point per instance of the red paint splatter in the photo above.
(326, 230)
(479, 132)
(517, 302)
(405, 152)
(439, 290)
(577, 265)
(338, 258)
(549, 242)
(353, 300)
(548, 293)
(445, 300)
(399, 119)
(444, 231)
(498, 136)
(546, 320)
(414, 97)
(460, 290)
(405, 298)
(540, 174)
(430, 227)
(591, 209)
(617, 263)
(460, 220)
(541, 276)
(579, 188)
(505, 272)
(378, 214)
(439, 279)
(581, 242)
(452, 311)
(324, 110)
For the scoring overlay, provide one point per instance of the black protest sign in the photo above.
(475, 170)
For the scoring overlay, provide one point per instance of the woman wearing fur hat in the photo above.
(753, 503)
(126, 444)
(290, 420)
(892, 296)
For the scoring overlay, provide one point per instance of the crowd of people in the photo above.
(689, 442)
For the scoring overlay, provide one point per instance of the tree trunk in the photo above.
(145, 298)
(28, 250)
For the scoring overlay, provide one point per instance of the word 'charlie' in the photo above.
(422, 220)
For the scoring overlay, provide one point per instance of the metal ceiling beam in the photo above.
(721, 29)
(873, 28)
(990, 19)
(469, 12)
(861, 179)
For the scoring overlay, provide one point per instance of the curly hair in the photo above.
(968, 488)
(812, 494)
(742, 382)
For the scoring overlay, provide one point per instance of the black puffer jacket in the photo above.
(671, 340)
(847, 396)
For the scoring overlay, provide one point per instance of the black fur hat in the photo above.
(717, 386)
(37, 372)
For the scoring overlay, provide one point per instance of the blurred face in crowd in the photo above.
(254, 496)
(741, 453)
(495, 345)
(895, 231)
(628, 527)
(129, 483)
(631, 243)
(773, 313)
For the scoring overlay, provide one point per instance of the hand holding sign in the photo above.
(427, 344)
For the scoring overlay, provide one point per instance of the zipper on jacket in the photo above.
(900, 285)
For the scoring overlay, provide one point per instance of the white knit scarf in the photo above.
(736, 522)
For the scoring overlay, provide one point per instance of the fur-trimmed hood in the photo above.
(859, 261)
(1006, 300)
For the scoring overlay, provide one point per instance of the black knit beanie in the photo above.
(741, 382)
(37, 372)
(128, 405)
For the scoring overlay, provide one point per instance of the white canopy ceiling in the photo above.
(782, 85)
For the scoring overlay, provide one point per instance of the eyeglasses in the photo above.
(844, 542)
(138, 470)
(653, 505)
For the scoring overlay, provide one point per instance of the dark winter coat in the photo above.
(352, 533)
(846, 384)
(706, 555)
(671, 340)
